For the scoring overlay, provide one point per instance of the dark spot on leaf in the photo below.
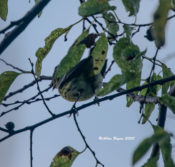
(66, 151)
(156, 16)
(95, 68)
(130, 57)
(103, 52)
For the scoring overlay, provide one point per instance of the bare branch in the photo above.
(28, 101)
(111, 97)
(149, 80)
(27, 86)
(84, 139)
(16, 68)
(31, 147)
(141, 98)
(39, 90)
(21, 24)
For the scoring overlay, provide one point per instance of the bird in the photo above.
(80, 83)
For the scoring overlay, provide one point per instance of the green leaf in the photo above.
(153, 89)
(111, 24)
(3, 9)
(152, 162)
(132, 6)
(99, 54)
(132, 82)
(73, 56)
(166, 73)
(160, 19)
(129, 101)
(128, 57)
(128, 30)
(41, 53)
(6, 79)
(91, 7)
(168, 101)
(165, 146)
(158, 137)
(113, 84)
(142, 149)
(166, 149)
(147, 112)
(65, 157)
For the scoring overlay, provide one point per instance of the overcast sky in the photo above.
(110, 119)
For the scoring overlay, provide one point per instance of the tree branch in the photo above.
(28, 101)
(84, 139)
(111, 97)
(31, 147)
(21, 24)
(27, 86)
(141, 98)
(39, 90)
(16, 68)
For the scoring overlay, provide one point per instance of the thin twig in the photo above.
(151, 60)
(141, 25)
(16, 68)
(141, 98)
(31, 147)
(111, 97)
(109, 69)
(28, 101)
(149, 80)
(25, 87)
(4, 130)
(104, 29)
(84, 139)
(48, 109)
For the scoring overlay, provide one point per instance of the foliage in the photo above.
(106, 32)
(6, 79)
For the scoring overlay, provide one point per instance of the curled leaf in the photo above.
(41, 53)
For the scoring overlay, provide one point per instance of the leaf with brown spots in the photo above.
(65, 157)
(99, 54)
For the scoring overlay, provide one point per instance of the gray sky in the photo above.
(110, 119)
